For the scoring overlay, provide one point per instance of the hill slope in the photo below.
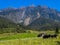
(36, 17)
(44, 24)
(8, 26)
(27, 15)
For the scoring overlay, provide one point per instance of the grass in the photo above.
(37, 41)
(18, 36)
(28, 39)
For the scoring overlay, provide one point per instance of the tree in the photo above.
(57, 30)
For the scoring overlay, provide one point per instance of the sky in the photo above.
(23, 3)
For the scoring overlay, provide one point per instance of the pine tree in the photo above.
(57, 30)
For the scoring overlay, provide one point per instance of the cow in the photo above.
(41, 34)
(53, 36)
(44, 36)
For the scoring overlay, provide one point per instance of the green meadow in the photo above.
(28, 38)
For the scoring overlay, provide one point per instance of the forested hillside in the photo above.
(44, 24)
(7, 26)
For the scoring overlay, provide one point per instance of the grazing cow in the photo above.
(47, 36)
(50, 36)
(53, 36)
(40, 35)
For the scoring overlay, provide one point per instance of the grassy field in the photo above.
(28, 39)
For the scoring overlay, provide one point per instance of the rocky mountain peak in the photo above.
(27, 15)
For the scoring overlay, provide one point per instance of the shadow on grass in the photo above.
(58, 42)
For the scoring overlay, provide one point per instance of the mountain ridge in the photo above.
(27, 15)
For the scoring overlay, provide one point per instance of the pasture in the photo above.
(29, 38)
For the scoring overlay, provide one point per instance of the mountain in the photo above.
(44, 24)
(8, 26)
(31, 15)
(5, 23)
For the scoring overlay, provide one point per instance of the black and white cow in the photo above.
(43, 35)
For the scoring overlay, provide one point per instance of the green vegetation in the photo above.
(57, 30)
(43, 24)
(7, 26)
(16, 34)
(37, 41)
(28, 39)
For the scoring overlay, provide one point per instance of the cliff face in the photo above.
(29, 14)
